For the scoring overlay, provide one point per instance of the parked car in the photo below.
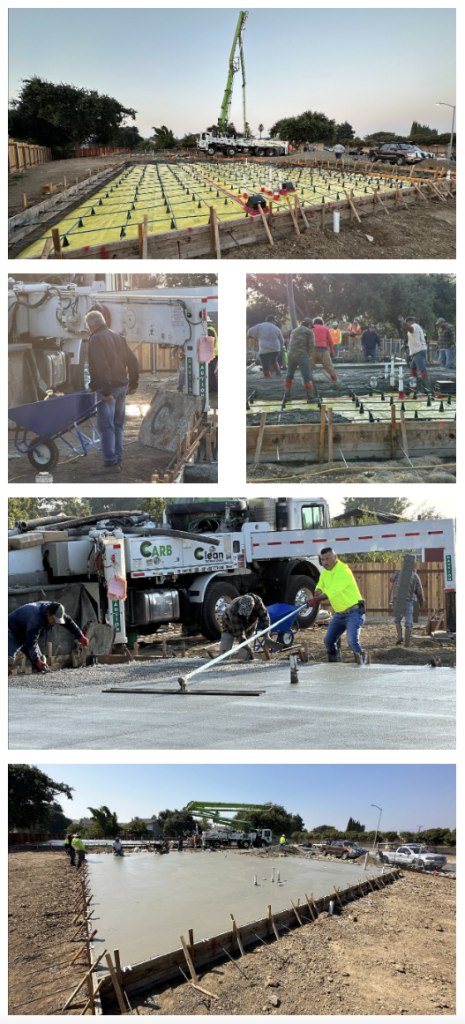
(343, 848)
(413, 855)
(396, 153)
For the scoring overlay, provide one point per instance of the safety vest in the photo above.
(215, 335)
(355, 329)
(282, 840)
(336, 335)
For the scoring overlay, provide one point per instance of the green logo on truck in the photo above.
(148, 551)
(449, 568)
(115, 608)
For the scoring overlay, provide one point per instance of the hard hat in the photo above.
(334, 323)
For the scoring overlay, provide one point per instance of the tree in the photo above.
(22, 508)
(58, 822)
(344, 132)
(188, 141)
(105, 821)
(154, 506)
(164, 138)
(138, 827)
(63, 116)
(34, 508)
(275, 817)
(396, 506)
(176, 822)
(311, 126)
(354, 826)
(31, 796)
(261, 128)
(421, 129)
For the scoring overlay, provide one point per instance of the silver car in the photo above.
(413, 855)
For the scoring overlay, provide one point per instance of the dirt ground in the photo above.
(139, 460)
(31, 180)
(41, 887)
(424, 230)
(392, 953)
(431, 469)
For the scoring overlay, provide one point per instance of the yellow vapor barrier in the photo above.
(176, 196)
(381, 411)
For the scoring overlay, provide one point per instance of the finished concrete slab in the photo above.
(144, 902)
(375, 707)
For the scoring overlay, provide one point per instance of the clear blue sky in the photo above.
(377, 69)
(410, 795)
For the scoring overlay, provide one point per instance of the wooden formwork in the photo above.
(160, 969)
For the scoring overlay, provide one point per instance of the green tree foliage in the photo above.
(396, 506)
(164, 138)
(390, 837)
(35, 508)
(176, 822)
(138, 827)
(57, 822)
(344, 132)
(261, 128)
(188, 141)
(105, 822)
(164, 280)
(354, 826)
(63, 117)
(276, 818)
(422, 129)
(31, 795)
(154, 506)
(311, 126)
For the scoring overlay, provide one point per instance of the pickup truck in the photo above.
(344, 849)
(413, 855)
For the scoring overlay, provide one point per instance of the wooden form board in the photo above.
(147, 974)
(300, 441)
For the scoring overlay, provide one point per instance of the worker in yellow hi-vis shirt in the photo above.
(337, 585)
(78, 845)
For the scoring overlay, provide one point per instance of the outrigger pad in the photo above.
(168, 416)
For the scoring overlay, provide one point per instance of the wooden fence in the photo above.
(373, 579)
(18, 838)
(102, 150)
(21, 155)
(165, 358)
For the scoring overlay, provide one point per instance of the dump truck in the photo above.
(133, 574)
(48, 335)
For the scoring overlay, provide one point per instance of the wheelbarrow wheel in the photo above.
(286, 638)
(44, 456)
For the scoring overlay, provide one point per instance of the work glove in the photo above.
(311, 602)
(84, 641)
(41, 666)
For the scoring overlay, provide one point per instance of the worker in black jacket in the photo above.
(110, 362)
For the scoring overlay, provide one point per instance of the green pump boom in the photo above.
(223, 119)
(213, 811)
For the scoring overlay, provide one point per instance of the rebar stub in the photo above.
(182, 682)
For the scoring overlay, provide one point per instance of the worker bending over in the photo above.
(371, 344)
(300, 347)
(26, 625)
(417, 348)
(240, 620)
(337, 585)
(323, 347)
(415, 590)
(270, 345)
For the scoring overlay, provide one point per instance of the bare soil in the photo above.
(390, 954)
(423, 230)
(42, 887)
(414, 471)
(31, 180)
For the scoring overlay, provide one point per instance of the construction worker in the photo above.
(111, 361)
(354, 331)
(118, 847)
(27, 624)
(371, 342)
(270, 344)
(212, 375)
(446, 344)
(417, 348)
(337, 585)
(69, 848)
(415, 591)
(240, 619)
(80, 849)
(300, 347)
(336, 336)
(180, 844)
(338, 150)
(282, 843)
(323, 348)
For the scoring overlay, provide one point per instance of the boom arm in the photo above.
(233, 67)
(214, 811)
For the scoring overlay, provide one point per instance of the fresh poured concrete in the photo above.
(144, 902)
(345, 707)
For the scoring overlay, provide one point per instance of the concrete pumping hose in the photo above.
(182, 680)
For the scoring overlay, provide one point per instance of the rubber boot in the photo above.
(400, 637)
(287, 393)
(309, 393)
(408, 634)
(334, 656)
(360, 659)
(276, 369)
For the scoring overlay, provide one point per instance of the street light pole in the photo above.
(380, 809)
(441, 104)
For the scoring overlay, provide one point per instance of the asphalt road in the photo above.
(332, 707)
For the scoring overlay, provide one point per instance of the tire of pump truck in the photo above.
(209, 625)
(295, 584)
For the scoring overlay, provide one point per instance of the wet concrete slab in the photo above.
(144, 902)
(381, 707)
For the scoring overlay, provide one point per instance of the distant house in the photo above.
(152, 825)
(353, 515)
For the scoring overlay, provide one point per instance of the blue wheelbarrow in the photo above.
(285, 632)
(39, 423)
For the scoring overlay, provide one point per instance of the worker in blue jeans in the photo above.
(337, 585)
(111, 362)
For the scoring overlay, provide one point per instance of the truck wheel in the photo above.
(345, 856)
(261, 151)
(382, 858)
(79, 374)
(299, 590)
(245, 845)
(420, 864)
(45, 456)
(217, 597)
(211, 150)
(245, 150)
(400, 161)
(270, 152)
(230, 151)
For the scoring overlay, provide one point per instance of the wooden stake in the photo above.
(393, 432)
(330, 435)
(296, 913)
(309, 905)
(294, 219)
(191, 943)
(268, 922)
(260, 439)
(337, 890)
(274, 927)
(379, 200)
(322, 433)
(403, 430)
(57, 253)
(189, 960)
(24, 201)
(214, 234)
(298, 206)
(233, 933)
(351, 203)
(208, 446)
(265, 225)
(419, 190)
(142, 230)
(118, 965)
(116, 984)
(91, 992)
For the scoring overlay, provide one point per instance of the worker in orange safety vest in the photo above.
(336, 336)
